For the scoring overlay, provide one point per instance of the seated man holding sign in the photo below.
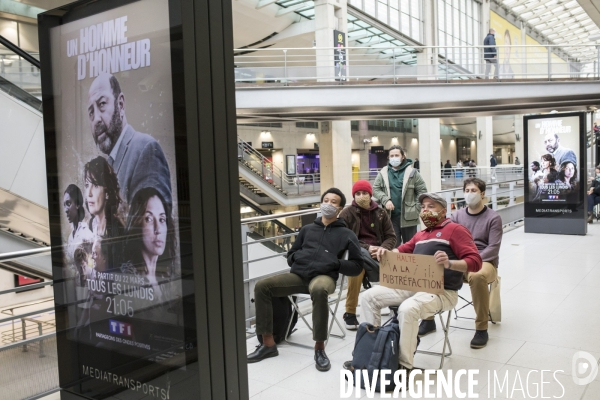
(452, 247)
(485, 225)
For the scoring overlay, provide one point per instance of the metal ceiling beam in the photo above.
(357, 13)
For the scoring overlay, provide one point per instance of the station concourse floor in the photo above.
(550, 300)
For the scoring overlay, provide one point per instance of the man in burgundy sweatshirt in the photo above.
(453, 247)
(485, 225)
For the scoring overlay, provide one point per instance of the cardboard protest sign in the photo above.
(414, 272)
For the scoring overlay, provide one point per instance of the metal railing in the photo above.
(455, 176)
(28, 354)
(296, 66)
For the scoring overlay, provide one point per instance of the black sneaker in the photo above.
(426, 327)
(351, 321)
(479, 340)
(348, 366)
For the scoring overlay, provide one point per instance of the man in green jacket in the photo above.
(397, 188)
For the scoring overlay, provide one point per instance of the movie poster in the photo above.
(554, 168)
(117, 175)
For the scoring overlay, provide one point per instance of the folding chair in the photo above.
(470, 303)
(334, 299)
(445, 328)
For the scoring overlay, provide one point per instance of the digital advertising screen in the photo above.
(115, 154)
(556, 175)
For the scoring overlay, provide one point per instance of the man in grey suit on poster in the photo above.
(137, 158)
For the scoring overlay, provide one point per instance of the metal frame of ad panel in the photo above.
(556, 178)
(133, 93)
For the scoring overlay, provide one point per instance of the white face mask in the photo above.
(395, 161)
(472, 199)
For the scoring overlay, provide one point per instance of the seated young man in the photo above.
(452, 246)
(373, 226)
(315, 266)
(485, 225)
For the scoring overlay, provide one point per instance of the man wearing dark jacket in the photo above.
(373, 227)
(315, 267)
(490, 54)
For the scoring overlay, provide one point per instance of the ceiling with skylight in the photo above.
(564, 22)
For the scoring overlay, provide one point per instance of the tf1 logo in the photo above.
(584, 368)
(119, 328)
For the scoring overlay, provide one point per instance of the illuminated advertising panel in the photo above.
(556, 175)
(119, 285)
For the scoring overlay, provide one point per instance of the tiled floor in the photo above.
(550, 301)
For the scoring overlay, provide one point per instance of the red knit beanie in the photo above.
(362, 185)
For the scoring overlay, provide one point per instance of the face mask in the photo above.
(329, 210)
(431, 218)
(363, 201)
(395, 162)
(472, 199)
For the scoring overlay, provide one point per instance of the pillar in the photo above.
(427, 63)
(485, 141)
(330, 15)
(519, 139)
(365, 148)
(335, 153)
(429, 153)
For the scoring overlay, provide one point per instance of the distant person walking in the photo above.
(490, 54)
(493, 165)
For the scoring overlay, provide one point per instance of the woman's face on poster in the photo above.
(95, 197)
(154, 227)
(569, 170)
(70, 208)
(545, 164)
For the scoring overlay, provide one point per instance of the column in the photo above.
(519, 139)
(335, 154)
(330, 15)
(365, 148)
(427, 60)
(429, 153)
(485, 141)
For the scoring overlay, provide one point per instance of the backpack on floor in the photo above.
(376, 348)
(282, 312)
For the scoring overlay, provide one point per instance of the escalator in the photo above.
(23, 194)
(259, 178)
(273, 228)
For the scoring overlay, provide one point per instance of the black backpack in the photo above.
(371, 268)
(282, 312)
(376, 348)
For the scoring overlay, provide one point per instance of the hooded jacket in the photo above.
(382, 224)
(318, 249)
(412, 186)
